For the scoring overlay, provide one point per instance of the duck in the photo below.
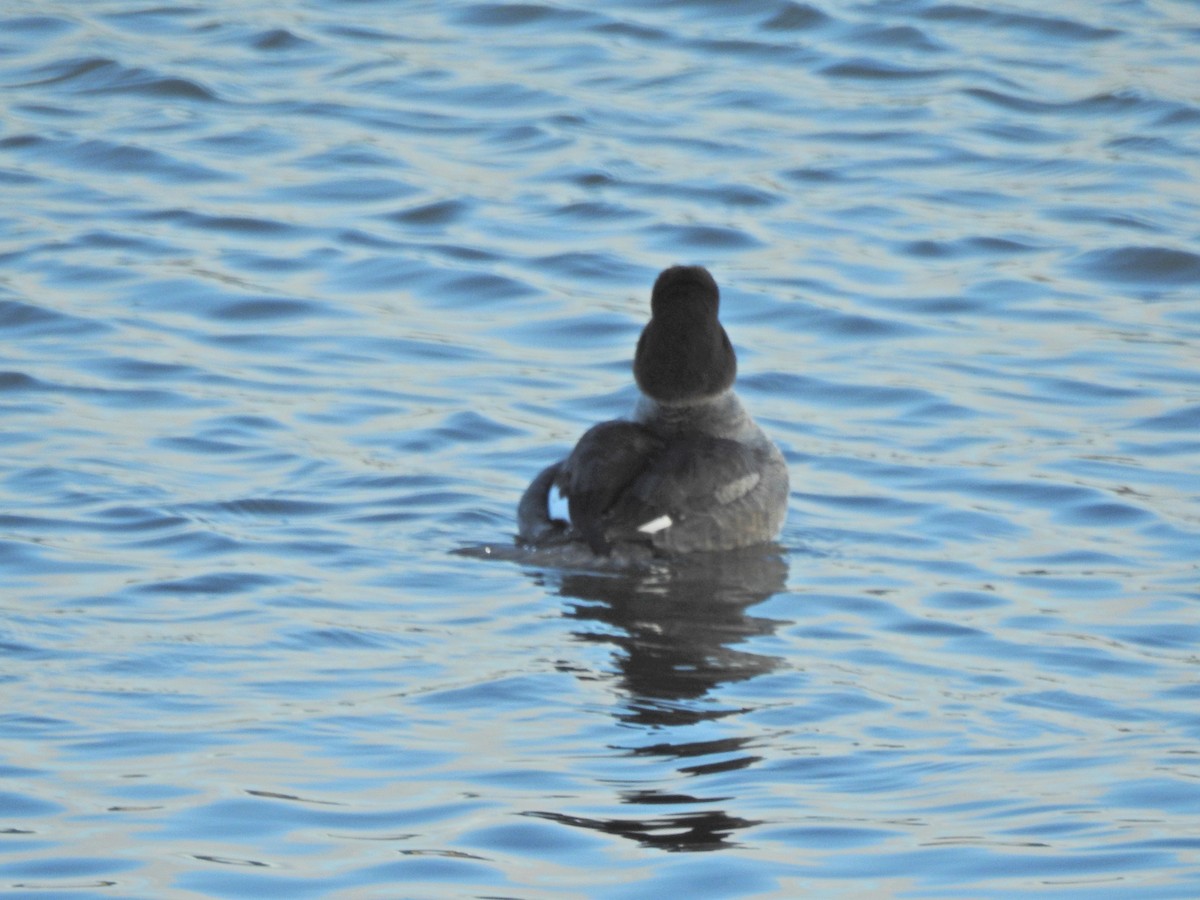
(689, 471)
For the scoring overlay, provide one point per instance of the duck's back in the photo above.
(678, 489)
(703, 493)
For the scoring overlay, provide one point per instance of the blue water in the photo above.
(295, 299)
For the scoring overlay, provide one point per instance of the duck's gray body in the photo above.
(690, 471)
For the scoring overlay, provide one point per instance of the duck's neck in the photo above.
(720, 416)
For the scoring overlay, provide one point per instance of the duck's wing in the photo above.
(534, 524)
(697, 494)
(609, 459)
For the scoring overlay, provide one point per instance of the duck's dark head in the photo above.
(684, 354)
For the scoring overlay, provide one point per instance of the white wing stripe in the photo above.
(656, 525)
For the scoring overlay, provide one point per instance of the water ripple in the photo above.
(1150, 266)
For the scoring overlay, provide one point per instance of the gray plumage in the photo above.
(691, 471)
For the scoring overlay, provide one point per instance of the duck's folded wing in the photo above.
(694, 496)
(605, 463)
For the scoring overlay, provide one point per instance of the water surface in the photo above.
(294, 300)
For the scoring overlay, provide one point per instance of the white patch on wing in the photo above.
(656, 525)
(556, 505)
(737, 488)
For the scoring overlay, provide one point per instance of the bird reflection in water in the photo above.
(675, 631)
